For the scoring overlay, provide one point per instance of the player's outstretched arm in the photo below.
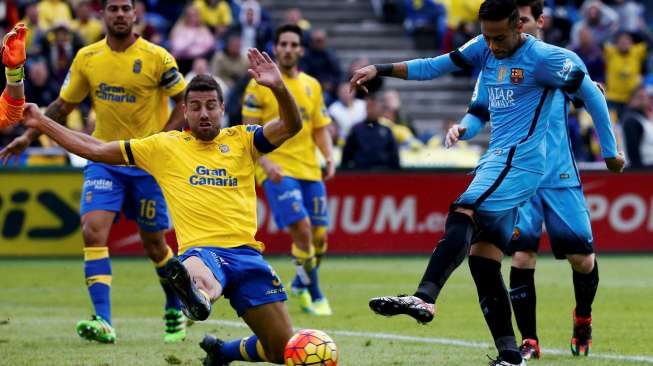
(266, 73)
(76, 142)
(597, 107)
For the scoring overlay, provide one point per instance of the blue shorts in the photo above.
(293, 199)
(127, 189)
(247, 279)
(565, 214)
(494, 194)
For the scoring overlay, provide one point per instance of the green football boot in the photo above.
(321, 307)
(175, 326)
(96, 329)
(304, 297)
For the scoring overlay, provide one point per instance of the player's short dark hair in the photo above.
(293, 28)
(203, 83)
(105, 2)
(537, 7)
(497, 10)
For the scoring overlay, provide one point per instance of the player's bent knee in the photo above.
(524, 259)
(583, 263)
(320, 240)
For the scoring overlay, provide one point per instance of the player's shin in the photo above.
(447, 256)
(493, 298)
(523, 299)
(305, 262)
(585, 287)
(172, 301)
(247, 349)
(97, 270)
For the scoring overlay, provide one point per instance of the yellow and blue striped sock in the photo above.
(172, 301)
(247, 349)
(97, 270)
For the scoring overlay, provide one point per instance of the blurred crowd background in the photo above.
(211, 36)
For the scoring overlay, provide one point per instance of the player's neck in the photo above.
(290, 72)
(117, 44)
(522, 40)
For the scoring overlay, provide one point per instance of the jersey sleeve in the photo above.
(480, 103)
(560, 69)
(143, 153)
(75, 87)
(253, 101)
(464, 58)
(320, 117)
(171, 80)
(255, 141)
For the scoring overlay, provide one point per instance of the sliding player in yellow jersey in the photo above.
(207, 178)
(291, 176)
(129, 81)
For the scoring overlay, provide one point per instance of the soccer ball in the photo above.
(311, 348)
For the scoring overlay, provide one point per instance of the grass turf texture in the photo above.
(41, 300)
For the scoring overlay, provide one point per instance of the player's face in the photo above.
(501, 36)
(119, 18)
(203, 111)
(288, 50)
(529, 24)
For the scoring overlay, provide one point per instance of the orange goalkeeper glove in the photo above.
(13, 53)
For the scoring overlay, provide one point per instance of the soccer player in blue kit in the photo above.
(559, 202)
(521, 75)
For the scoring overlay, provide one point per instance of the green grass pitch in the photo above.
(41, 300)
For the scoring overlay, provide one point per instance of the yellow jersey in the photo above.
(297, 157)
(208, 185)
(129, 89)
(218, 15)
(623, 71)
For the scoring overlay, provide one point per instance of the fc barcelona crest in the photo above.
(138, 65)
(516, 76)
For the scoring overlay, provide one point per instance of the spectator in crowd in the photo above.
(201, 67)
(89, 28)
(460, 15)
(638, 129)
(53, 12)
(321, 63)
(599, 18)
(624, 61)
(39, 87)
(389, 11)
(555, 29)
(59, 47)
(229, 64)
(294, 16)
(631, 16)
(591, 54)
(346, 111)
(142, 27)
(253, 31)
(215, 14)
(425, 22)
(190, 39)
(31, 21)
(370, 145)
(392, 110)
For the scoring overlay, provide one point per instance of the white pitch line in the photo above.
(441, 341)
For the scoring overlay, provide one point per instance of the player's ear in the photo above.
(185, 110)
(540, 22)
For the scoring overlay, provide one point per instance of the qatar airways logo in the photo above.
(501, 98)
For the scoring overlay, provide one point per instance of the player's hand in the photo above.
(32, 116)
(263, 69)
(13, 47)
(360, 77)
(14, 149)
(330, 170)
(617, 163)
(273, 171)
(453, 135)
